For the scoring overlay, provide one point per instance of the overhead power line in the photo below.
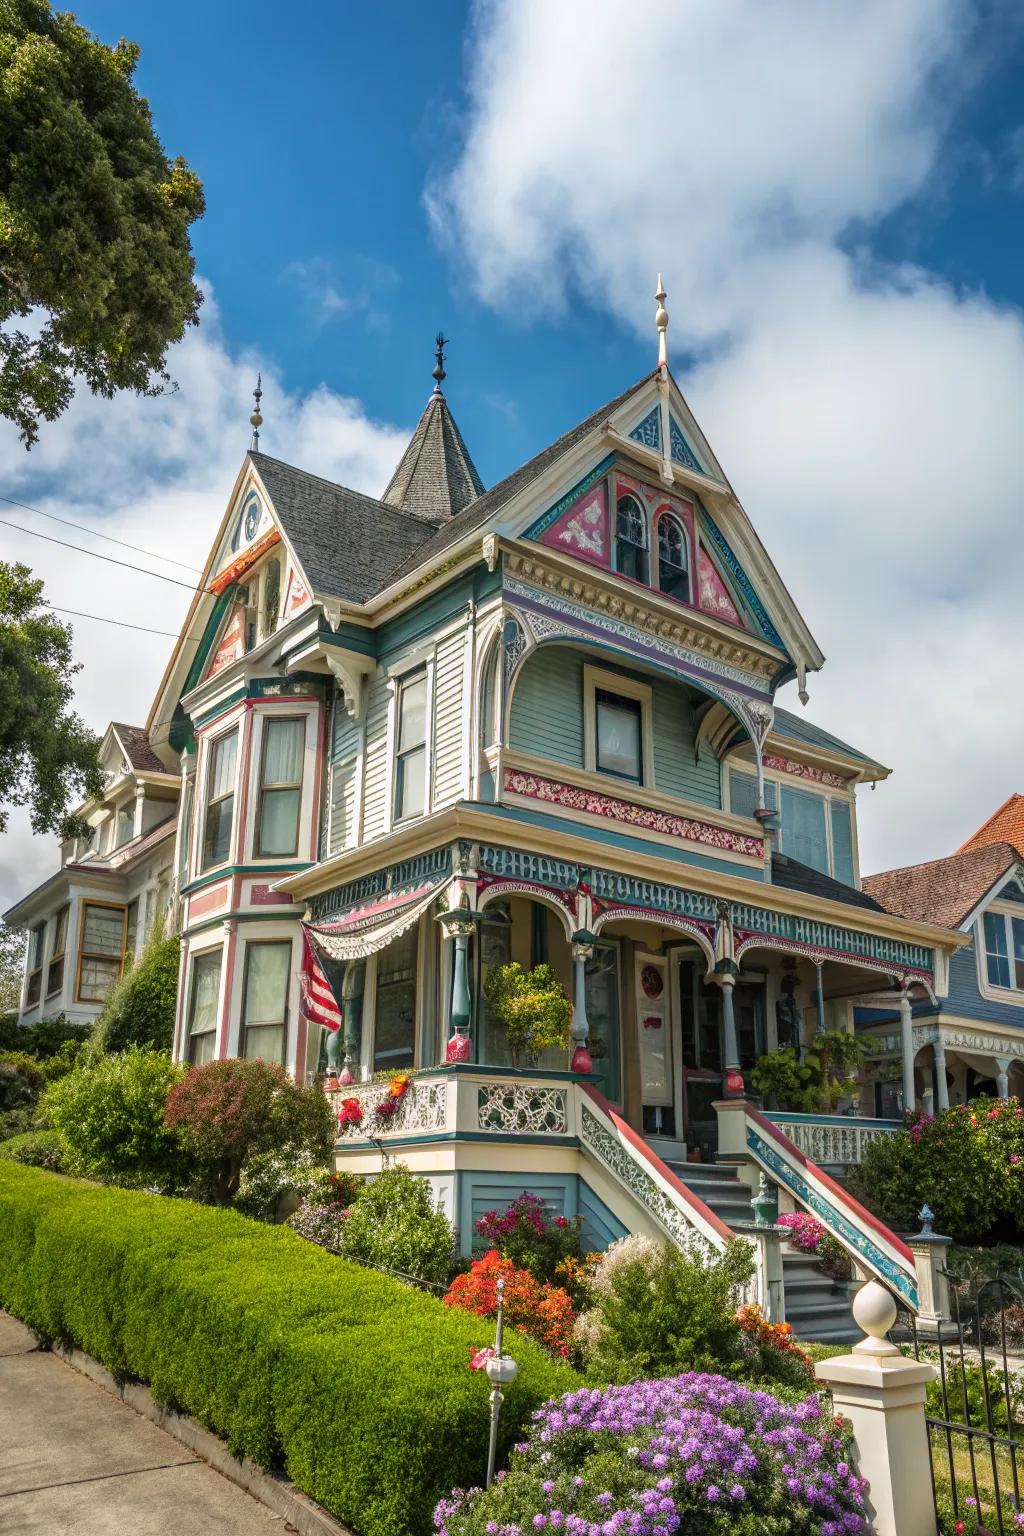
(121, 623)
(81, 550)
(95, 533)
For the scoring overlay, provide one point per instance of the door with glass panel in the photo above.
(602, 996)
(268, 968)
(654, 1039)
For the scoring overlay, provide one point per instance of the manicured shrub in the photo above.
(810, 1235)
(267, 1177)
(42, 1039)
(529, 1236)
(354, 1384)
(110, 1118)
(543, 1311)
(140, 1007)
(770, 1351)
(696, 1453)
(967, 1163)
(227, 1111)
(37, 1149)
(395, 1225)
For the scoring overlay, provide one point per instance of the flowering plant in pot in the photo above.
(532, 1007)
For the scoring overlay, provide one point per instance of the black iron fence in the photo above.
(975, 1408)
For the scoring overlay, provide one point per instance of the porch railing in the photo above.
(459, 1100)
(836, 1141)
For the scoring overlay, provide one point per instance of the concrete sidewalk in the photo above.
(75, 1461)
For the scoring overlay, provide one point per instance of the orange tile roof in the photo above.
(943, 891)
(1004, 826)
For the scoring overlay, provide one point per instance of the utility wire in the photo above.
(121, 623)
(94, 532)
(80, 549)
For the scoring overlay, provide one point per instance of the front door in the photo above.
(654, 1042)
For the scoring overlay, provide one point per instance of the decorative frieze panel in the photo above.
(522, 1109)
(572, 797)
(423, 1108)
(648, 431)
(533, 868)
(752, 924)
(431, 866)
(805, 771)
(742, 580)
(626, 890)
(681, 450)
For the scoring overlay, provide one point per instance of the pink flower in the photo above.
(479, 1358)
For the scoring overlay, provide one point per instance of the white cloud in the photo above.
(157, 473)
(869, 417)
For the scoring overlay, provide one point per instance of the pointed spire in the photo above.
(435, 478)
(661, 321)
(438, 374)
(256, 420)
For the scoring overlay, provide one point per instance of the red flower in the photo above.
(350, 1113)
(479, 1358)
(386, 1108)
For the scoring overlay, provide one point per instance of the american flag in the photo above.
(318, 1001)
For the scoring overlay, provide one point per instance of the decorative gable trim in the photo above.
(237, 568)
(682, 453)
(741, 579)
(648, 431)
(541, 525)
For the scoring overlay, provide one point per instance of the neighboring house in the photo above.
(111, 887)
(971, 1041)
(423, 734)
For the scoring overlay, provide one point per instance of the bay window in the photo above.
(411, 747)
(101, 951)
(204, 995)
(220, 800)
(280, 798)
(55, 969)
(265, 999)
(36, 940)
(1004, 950)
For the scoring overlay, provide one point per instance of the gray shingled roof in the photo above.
(484, 506)
(435, 478)
(346, 542)
(794, 876)
(796, 728)
(137, 749)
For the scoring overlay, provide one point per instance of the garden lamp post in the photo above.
(501, 1372)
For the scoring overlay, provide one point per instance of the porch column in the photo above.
(458, 924)
(941, 1086)
(579, 1029)
(907, 1052)
(819, 997)
(351, 1025)
(725, 975)
(1003, 1065)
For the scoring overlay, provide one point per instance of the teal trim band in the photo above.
(233, 698)
(226, 870)
(242, 915)
(543, 523)
(777, 1115)
(349, 637)
(832, 1216)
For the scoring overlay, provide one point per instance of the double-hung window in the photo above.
(411, 747)
(1004, 950)
(619, 744)
(265, 999)
(202, 1007)
(673, 559)
(36, 941)
(631, 539)
(101, 952)
(280, 802)
(55, 969)
(220, 800)
(124, 826)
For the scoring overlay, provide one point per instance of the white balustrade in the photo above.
(832, 1140)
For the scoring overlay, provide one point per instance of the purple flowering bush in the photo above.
(695, 1453)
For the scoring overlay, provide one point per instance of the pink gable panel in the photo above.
(713, 596)
(583, 530)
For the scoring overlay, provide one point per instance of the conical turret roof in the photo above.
(435, 478)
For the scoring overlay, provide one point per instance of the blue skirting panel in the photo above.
(562, 1194)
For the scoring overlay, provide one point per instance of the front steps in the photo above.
(817, 1308)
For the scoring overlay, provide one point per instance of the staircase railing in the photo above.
(837, 1140)
(744, 1134)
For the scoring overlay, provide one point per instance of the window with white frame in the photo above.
(100, 951)
(280, 797)
(816, 830)
(1004, 950)
(36, 942)
(203, 997)
(220, 800)
(673, 558)
(617, 725)
(411, 747)
(55, 969)
(268, 965)
(124, 826)
(631, 539)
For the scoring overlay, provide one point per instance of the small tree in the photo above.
(12, 968)
(226, 1111)
(395, 1225)
(110, 1118)
(532, 1008)
(140, 1008)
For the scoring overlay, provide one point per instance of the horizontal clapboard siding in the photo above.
(547, 707)
(678, 770)
(375, 773)
(344, 773)
(448, 719)
(599, 1227)
(965, 997)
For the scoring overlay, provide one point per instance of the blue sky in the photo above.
(836, 197)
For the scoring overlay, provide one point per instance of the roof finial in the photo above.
(661, 321)
(256, 419)
(438, 373)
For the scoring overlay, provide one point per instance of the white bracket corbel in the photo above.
(489, 548)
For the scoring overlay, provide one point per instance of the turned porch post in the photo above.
(1003, 1065)
(458, 924)
(941, 1086)
(732, 1084)
(907, 1052)
(579, 1029)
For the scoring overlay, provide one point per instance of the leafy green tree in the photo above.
(140, 1007)
(94, 220)
(110, 1118)
(47, 754)
(12, 967)
(531, 1006)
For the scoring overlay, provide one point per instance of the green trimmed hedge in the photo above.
(354, 1385)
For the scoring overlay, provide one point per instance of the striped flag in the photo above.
(318, 1001)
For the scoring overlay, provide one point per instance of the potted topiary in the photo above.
(532, 1008)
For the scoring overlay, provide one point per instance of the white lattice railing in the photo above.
(461, 1099)
(838, 1141)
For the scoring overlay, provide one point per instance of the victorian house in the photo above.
(422, 734)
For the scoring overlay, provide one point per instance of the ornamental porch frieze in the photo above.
(955, 1039)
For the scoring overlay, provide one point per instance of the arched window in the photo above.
(673, 559)
(631, 539)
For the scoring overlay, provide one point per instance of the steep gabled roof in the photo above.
(1004, 826)
(943, 891)
(345, 541)
(797, 729)
(435, 478)
(134, 742)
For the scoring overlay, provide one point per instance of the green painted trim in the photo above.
(349, 637)
(524, 1074)
(241, 915)
(775, 1115)
(237, 697)
(226, 870)
(541, 524)
(210, 634)
(427, 616)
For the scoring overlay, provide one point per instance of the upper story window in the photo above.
(265, 999)
(280, 802)
(1004, 950)
(220, 800)
(673, 559)
(619, 743)
(55, 969)
(36, 941)
(101, 952)
(817, 829)
(631, 539)
(124, 826)
(411, 747)
(202, 1007)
